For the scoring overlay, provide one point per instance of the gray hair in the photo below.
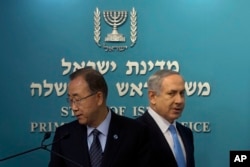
(154, 81)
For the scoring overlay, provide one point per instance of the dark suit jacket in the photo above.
(161, 154)
(125, 146)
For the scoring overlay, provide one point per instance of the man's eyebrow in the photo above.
(74, 95)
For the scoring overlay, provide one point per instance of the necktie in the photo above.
(95, 151)
(179, 156)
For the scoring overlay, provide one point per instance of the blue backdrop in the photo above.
(43, 41)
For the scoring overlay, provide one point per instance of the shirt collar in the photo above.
(160, 121)
(103, 127)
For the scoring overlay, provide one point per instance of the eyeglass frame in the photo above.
(78, 101)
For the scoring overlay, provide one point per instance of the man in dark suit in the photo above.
(166, 91)
(122, 140)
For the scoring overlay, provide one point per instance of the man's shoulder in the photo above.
(119, 119)
(68, 126)
(184, 128)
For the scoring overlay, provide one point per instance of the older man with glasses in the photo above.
(99, 137)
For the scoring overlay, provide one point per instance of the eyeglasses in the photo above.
(77, 102)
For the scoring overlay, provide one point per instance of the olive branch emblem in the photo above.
(97, 26)
(133, 27)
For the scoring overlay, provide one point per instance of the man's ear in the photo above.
(152, 96)
(100, 98)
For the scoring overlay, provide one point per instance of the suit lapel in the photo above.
(82, 154)
(185, 139)
(158, 139)
(113, 141)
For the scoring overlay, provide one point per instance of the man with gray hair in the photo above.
(172, 144)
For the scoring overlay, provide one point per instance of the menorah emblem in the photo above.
(115, 19)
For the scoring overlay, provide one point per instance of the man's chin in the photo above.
(82, 121)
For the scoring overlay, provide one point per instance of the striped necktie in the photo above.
(95, 151)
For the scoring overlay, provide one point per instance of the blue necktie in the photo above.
(179, 156)
(95, 151)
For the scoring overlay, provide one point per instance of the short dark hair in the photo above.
(94, 79)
